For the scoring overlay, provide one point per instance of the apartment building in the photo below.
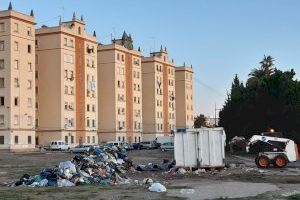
(66, 89)
(17, 91)
(159, 116)
(120, 91)
(184, 97)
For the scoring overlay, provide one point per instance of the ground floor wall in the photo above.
(17, 140)
(119, 136)
(152, 136)
(45, 137)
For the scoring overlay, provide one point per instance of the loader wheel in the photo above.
(280, 161)
(262, 162)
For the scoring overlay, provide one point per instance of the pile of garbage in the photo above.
(103, 166)
(165, 165)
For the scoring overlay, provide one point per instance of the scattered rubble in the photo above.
(103, 166)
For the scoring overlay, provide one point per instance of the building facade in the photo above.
(17, 92)
(120, 91)
(158, 77)
(66, 89)
(184, 97)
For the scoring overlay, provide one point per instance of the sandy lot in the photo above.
(242, 181)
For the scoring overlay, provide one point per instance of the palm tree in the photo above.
(267, 65)
(266, 69)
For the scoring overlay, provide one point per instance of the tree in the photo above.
(270, 99)
(266, 69)
(200, 121)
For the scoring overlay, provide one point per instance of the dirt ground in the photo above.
(240, 181)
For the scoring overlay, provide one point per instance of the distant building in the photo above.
(212, 122)
(120, 91)
(159, 116)
(184, 97)
(66, 74)
(17, 83)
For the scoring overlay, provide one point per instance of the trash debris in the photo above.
(181, 171)
(157, 187)
(187, 191)
(199, 171)
(165, 165)
(147, 181)
(238, 144)
(102, 166)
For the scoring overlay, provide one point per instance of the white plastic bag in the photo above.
(157, 187)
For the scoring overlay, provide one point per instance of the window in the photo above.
(66, 139)
(2, 27)
(93, 123)
(1, 101)
(79, 30)
(71, 59)
(16, 82)
(2, 64)
(16, 64)
(88, 139)
(29, 120)
(36, 42)
(65, 58)
(16, 119)
(93, 108)
(71, 43)
(118, 56)
(94, 139)
(65, 41)
(29, 67)
(71, 75)
(1, 45)
(16, 139)
(29, 48)
(36, 74)
(122, 57)
(72, 139)
(16, 46)
(2, 120)
(29, 101)
(87, 107)
(88, 123)
(29, 84)
(29, 31)
(71, 90)
(1, 139)
(1, 82)
(16, 27)
(29, 139)
(16, 101)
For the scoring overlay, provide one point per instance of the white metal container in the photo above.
(204, 147)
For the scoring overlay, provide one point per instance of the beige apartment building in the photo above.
(120, 91)
(66, 89)
(17, 91)
(184, 97)
(159, 116)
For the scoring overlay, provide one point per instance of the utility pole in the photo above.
(216, 114)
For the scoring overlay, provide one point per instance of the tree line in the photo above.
(269, 99)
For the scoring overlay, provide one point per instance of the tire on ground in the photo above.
(280, 161)
(262, 161)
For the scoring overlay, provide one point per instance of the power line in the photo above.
(210, 88)
(48, 20)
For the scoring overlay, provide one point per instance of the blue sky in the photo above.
(219, 38)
